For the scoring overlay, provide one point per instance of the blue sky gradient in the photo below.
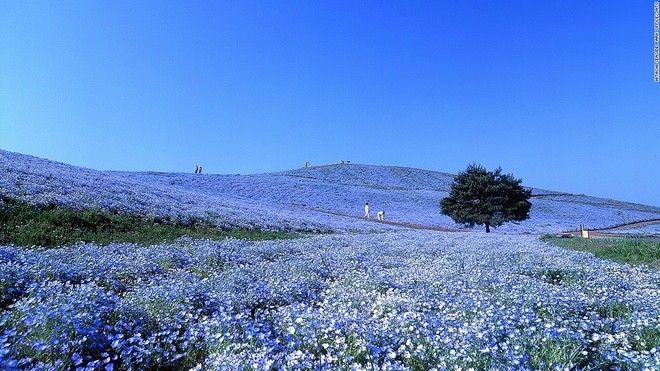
(560, 94)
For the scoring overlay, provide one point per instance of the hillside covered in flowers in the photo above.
(322, 198)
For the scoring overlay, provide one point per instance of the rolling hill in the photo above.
(321, 198)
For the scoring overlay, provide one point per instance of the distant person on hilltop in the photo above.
(366, 210)
(381, 215)
(196, 169)
(200, 170)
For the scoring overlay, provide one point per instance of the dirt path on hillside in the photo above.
(606, 232)
(601, 232)
(388, 222)
(641, 223)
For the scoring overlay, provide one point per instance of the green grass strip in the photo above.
(28, 225)
(633, 250)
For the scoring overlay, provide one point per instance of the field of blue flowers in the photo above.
(394, 300)
(369, 296)
(323, 198)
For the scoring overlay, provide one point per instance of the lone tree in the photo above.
(479, 196)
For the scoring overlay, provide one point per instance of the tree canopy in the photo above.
(490, 198)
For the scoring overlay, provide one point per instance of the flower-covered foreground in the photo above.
(396, 300)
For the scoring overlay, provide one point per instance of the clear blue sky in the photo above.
(559, 93)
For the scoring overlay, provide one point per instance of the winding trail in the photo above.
(605, 232)
(639, 223)
(595, 232)
(388, 222)
(600, 232)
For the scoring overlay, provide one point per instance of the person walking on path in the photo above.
(366, 210)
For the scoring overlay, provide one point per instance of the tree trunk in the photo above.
(487, 227)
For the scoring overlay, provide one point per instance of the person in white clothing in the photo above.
(381, 215)
(366, 210)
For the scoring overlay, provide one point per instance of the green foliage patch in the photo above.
(633, 250)
(23, 224)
